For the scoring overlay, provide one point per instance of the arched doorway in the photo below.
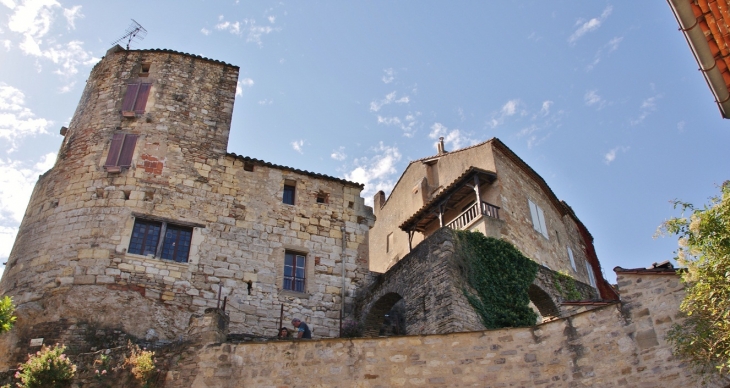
(376, 316)
(543, 302)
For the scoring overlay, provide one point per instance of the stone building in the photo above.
(486, 188)
(146, 220)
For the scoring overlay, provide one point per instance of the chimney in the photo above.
(441, 146)
(378, 201)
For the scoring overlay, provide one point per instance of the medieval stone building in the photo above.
(145, 219)
(146, 227)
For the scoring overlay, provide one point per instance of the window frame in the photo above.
(161, 241)
(572, 259)
(591, 275)
(538, 219)
(294, 282)
(292, 188)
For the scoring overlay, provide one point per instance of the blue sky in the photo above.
(603, 99)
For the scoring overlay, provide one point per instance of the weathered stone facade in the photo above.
(430, 282)
(71, 259)
(429, 186)
(618, 345)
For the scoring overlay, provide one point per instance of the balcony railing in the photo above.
(474, 211)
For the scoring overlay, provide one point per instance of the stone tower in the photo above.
(145, 218)
(145, 120)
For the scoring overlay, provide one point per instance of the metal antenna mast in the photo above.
(134, 33)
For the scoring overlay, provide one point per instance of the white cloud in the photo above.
(510, 108)
(454, 138)
(253, 31)
(7, 44)
(389, 76)
(246, 82)
(266, 101)
(272, 19)
(339, 154)
(376, 173)
(681, 125)
(647, 107)
(390, 98)
(590, 25)
(592, 98)
(16, 120)
(407, 124)
(32, 19)
(297, 146)
(610, 156)
(545, 110)
(71, 14)
(205, 31)
(608, 48)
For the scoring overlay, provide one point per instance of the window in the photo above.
(174, 246)
(121, 151)
(389, 242)
(591, 275)
(322, 197)
(135, 99)
(572, 260)
(294, 271)
(289, 190)
(247, 166)
(538, 219)
(144, 71)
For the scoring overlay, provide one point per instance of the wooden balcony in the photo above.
(473, 212)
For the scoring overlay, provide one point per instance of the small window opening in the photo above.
(249, 286)
(289, 191)
(351, 204)
(145, 70)
(248, 166)
(127, 193)
(389, 243)
(322, 198)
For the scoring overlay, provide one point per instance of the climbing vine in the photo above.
(570, 292)
(499, 276)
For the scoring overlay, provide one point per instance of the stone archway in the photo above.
(376, 316)
(543, 302)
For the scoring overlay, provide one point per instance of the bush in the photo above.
(47, 368)
(142, 364)
(6, 314)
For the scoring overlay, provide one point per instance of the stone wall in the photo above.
(619, 345)
(71, 261)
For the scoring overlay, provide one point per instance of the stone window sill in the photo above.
(156, 260)
(294, 294)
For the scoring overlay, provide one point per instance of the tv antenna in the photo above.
(134, 33)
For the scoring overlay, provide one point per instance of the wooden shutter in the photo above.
(144, 91)
(572, 260)
(114, 149)
(543, 227)
(130, 97)
(125, 156)
(533, 214)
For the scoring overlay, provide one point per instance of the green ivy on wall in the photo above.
(499, 276)
(566, 286)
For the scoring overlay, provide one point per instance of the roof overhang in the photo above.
(702, 24)
(448, 197)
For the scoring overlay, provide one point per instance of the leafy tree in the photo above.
(6, 314)
(703, 338)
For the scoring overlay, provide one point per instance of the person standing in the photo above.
(302, 328)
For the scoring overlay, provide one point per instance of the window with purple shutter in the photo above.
(121, 151)
(161, 239)
(135, 99)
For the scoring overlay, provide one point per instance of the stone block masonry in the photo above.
(163, 161)
(619, 345)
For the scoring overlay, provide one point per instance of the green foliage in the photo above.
(47, 368)
(142, 364)
(570, 292)
(500, 275)
(6, 314)
(703, 338)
